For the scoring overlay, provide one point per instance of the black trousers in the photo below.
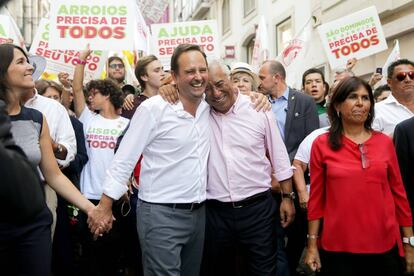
(251, 229)
(345, 264)
(296, 233)
(110, 254)
(26, 249)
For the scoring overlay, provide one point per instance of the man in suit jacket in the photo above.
(404, 146)
(295, 111)
(296, 116)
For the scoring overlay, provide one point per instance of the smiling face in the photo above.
(356, 107)
(314, 87)
(19, 73)
(220, 93)
(192, 75)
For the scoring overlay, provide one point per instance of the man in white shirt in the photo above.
(175, 142)
(399, 105)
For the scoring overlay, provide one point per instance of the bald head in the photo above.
(275, 67)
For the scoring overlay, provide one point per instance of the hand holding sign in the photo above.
(83, 56)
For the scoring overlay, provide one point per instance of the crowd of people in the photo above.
(206, 169)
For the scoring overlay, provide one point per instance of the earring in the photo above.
(338, 113)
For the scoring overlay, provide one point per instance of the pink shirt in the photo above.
(238, 166)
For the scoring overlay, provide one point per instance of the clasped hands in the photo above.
(100, 218)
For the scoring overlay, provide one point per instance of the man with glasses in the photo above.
(399, 106)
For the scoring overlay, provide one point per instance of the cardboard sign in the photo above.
(64, 60)
(168, 36)
(105, 25)
(354, 36)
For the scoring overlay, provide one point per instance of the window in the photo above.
(249, 50)
(226, 16)
(283, 34)
(249, 6)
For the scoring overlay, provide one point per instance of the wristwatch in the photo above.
(290, 195)
(409, 240)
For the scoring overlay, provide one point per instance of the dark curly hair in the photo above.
(339, 94)
(108, 87)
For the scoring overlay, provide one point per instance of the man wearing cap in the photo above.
(243, 78)
(60, 128)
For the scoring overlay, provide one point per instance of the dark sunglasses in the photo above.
(402, 75)
(116, 65)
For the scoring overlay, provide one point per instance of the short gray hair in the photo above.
(221, 64)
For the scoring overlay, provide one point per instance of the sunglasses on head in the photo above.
(116, 65)
(402, 75)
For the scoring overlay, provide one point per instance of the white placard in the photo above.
(168, 36)
(354, 36)
(64, 60)
(104, 24)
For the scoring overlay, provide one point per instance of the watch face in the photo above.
(412, 241)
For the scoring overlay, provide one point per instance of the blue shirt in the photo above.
(279, 108)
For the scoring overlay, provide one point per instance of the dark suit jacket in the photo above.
(301, 119)
(404, 146)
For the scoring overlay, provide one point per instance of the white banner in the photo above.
(354, 36)
(393, 56)
(261, 45)
(294, 56)
(64, 60)
(9, 29)
(104, 24)
(168, 36)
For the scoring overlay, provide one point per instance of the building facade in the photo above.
(238, 20)
(27, 15)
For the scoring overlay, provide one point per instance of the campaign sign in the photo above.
(354, 36)
(104, 24)
(168, 36)
(64, 60)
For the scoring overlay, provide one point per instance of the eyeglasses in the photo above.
(364, 160)
(93, 92)
(402, 75)
(116, 65)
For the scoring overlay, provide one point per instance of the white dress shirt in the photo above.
(60, 127)
(175, 148)
(388, 114)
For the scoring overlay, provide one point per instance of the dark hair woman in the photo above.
(25, 247)
(357, 205)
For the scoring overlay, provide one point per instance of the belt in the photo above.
(184, 206)
(242, 203)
